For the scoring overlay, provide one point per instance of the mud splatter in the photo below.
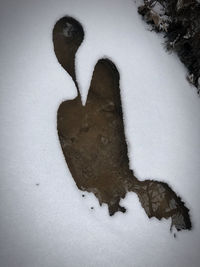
(93, 140)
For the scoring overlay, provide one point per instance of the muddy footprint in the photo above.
(93, 140)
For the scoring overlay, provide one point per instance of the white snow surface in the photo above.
(51, 225)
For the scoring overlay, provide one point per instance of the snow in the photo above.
(52, 225)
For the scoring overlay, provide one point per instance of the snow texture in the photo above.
(50, 224)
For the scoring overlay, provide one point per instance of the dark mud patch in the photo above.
(93, 140)
(180, 23)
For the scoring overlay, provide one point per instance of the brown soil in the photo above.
(93, 140)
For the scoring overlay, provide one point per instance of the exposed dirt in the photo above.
(93, 140)
(179, 20)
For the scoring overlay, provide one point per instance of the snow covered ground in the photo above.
(51, 224)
